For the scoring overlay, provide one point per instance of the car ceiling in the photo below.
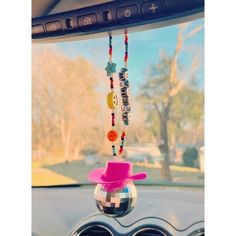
(46, 7)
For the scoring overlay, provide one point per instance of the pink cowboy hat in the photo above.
(115, 172)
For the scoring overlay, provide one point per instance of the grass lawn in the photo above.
(77, 172)
(43, 176)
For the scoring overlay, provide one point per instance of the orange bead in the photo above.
(112, 135)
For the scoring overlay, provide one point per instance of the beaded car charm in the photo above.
(115, 193)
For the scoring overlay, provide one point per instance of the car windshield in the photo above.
(70, 117)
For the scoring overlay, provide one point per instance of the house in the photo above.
(144, 153)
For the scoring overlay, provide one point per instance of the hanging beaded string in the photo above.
(112, 100)
(124, 91)
(126, 50)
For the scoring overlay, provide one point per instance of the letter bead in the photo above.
(125, 108)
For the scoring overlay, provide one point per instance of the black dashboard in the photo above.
(159, 211)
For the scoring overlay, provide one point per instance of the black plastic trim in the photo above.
(141, 219)
(150, 226)
(164, 184)
(170, 9)
(199, 232)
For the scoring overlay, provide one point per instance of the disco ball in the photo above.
(117, 203)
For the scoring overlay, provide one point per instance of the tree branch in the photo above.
(194, 31)
(175, 90)
(153, 103)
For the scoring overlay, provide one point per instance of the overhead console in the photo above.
(96, 20)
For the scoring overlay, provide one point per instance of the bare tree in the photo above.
(164, 83)
(65, 104)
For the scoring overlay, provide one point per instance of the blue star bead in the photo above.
(111, 68)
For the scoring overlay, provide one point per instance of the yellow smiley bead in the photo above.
(112, 100)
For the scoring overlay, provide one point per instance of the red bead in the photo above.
(112, 119)
(126, 38)
(121, 150)
(112, 135)
(111, 84)
(123, 134)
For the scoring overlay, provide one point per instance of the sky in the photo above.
(144, 49)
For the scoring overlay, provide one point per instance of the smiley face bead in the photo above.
(112, 100)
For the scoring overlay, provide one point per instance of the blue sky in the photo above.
(144, 49)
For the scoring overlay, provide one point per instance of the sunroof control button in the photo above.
(154, 8)
(129, 13)
(37, 29)
(87, 20)
(54, 27)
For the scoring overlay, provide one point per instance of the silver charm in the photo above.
(117, 203)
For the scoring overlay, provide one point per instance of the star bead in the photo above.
(111, 68)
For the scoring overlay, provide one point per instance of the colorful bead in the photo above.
(126, 38)
(123, 134)
(125, 101)
(112, 135)
(123, 74)
(111, 83)
(112, 100)
(113, 119)
(121, 150)
(126, 122)
(110, 51)
(124, 92)
(114, 150)
(110, 68)
(122, 142)
(124, 84)
(126, 108)
(126, 116)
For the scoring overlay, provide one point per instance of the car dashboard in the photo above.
(160, 211)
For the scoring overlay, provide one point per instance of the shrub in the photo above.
(190, 155)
